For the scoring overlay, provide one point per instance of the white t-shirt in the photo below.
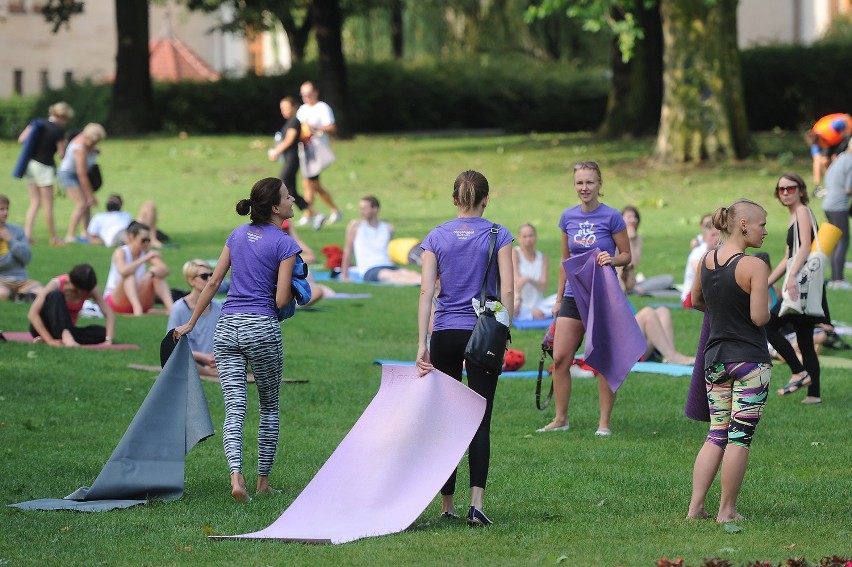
(108, 226)
(319, 114)
(689, 273)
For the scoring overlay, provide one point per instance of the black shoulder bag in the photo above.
(487, 345)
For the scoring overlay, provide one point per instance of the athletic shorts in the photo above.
(16, 286)
(39, 174)
(568, 308)
(372, 275)
(124, 310)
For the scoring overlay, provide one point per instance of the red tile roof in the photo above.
(172, 60)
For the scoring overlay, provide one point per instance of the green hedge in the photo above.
(785, 86)
(789, 87)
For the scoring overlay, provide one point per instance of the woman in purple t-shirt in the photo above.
(589, 225)
(262, 258)
(457, 251)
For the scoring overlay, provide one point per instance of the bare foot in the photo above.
(733, 518)
(697, 515)
(68, 339)
(238, 489)
(679, 358)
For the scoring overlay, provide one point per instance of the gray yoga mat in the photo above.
(149, 460)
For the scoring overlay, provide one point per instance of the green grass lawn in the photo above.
(571, 498)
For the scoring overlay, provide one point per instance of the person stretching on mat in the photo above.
(55, 310)
(733, 288)
(262, 257)
(137, 274)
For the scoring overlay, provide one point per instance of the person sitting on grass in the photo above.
(367, 241)
(196, 273)
(658, 330)
(137, 274)
(55, 310)
(15, 254)
(530, 270)
(110, 228)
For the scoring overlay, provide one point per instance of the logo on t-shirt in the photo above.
(463, 232)
(254, 235)
(585, 235)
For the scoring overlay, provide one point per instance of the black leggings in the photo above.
(804, 327)
(56, 317)
(447, 355)
(288, 176)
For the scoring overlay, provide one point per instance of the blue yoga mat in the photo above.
(26, 153)
(533, 323)
(513, 374)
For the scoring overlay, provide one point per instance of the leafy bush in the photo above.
(791, 86)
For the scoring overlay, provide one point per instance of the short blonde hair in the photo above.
(61, 110)
(94, 132)
(192, 267)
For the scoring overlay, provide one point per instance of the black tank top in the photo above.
(733, 335)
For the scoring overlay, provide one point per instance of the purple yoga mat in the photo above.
(390, 466)
(696, 400)
(614, 341)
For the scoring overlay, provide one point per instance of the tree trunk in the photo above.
(396, 25)
(328, 24)
(636, 89)
(703, 115)
(132, 108)
(297, 35)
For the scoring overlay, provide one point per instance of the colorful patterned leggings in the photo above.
(254, 339)
(736, 392)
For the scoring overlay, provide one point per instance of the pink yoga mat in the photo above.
(389, 467)
(26, 337)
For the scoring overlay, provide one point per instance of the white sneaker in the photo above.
(335, 217)
(304, 220)
(319, 219)
(840, 284)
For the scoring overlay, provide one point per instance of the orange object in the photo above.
(828, 136)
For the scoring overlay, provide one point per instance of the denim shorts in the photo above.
(68, 179)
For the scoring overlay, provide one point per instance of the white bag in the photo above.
(314, 156)
(810, 279)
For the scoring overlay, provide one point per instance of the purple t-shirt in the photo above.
(256, 253)
(587, 231)
(461, 248)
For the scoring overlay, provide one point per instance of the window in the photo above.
(68, 78)
(44, 80)
(18, 75)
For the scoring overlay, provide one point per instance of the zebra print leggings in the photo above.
(253, 339)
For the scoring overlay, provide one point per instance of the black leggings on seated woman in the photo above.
(446, 352)
(56, 317)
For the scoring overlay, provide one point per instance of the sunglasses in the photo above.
(784, 190)
(146, 241)
(205, 276)
(586, 165)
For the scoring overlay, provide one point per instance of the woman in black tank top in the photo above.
(791, 191)
(733, 289)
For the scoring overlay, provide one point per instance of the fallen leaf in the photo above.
(791, 546)
(562, 558)
(732, 528)
(602, 502)
(208, 531)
